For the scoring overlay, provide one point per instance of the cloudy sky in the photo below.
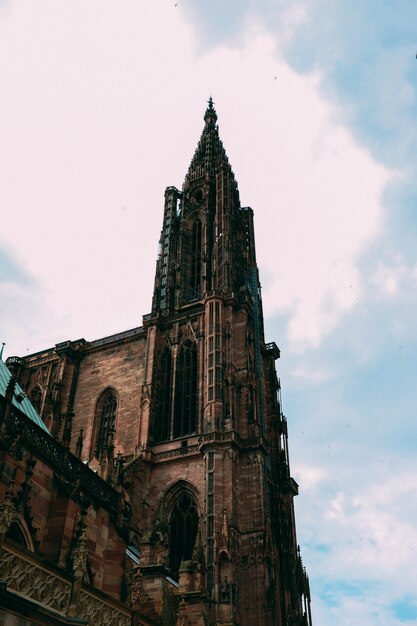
(101, 108)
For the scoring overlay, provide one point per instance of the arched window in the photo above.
(195, 291)
(16, 534)
(185, 412)
(183, 527)
(162, 393)
(36, 397)
(106, 416)
(19, 533)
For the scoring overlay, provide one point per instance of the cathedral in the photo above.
(144, 476)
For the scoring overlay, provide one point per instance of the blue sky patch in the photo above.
(10, 271)
(405, 609)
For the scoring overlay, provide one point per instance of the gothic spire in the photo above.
(210, 116)
(210, 154)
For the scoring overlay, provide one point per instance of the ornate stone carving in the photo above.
(169, 454)
(145, 397)
(197, 558)
(136, 588)
(80, 554)
(182, 614)
(97, 613)
(7, 512)
(56, 393)
(160, 530)
(224, 535)
(35, 582)
(69, 466)
(225, 590)
(32, 580)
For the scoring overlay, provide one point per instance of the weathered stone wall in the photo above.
(50, 511)
(121, 367)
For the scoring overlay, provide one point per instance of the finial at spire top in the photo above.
(210, 114)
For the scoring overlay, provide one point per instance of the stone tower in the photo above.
(181, 419)
(219, 524)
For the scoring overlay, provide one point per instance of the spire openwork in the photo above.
(210, 154)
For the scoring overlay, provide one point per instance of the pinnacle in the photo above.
(210, 114)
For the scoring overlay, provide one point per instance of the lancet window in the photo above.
(36, 398)
(214, 370)
(163, 397)
(183, 527)
(196, 260)
(185, 411)
(106, 419)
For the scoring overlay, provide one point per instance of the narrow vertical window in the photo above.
(214, 361)
(36, 398)
(107, 419)
(182, 531)
(185, 415)
(195, 260)
(162, 391)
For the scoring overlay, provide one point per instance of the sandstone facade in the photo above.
(182, 416)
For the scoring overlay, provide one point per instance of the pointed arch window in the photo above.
(183, 527)
(107, 408)
(185, 406)
(20, 533)
(163, 397)
(15, 533)
(36, 398)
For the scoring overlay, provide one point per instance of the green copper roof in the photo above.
(20, 400)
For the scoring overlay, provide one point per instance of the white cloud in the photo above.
(372, 533)
(394, 277)
(387, 280)
(101, 109)
(316, 193)
(114, 119)
(313, 375)
(345, 610)
(328, 218)
(309, 476)
(292, 16)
